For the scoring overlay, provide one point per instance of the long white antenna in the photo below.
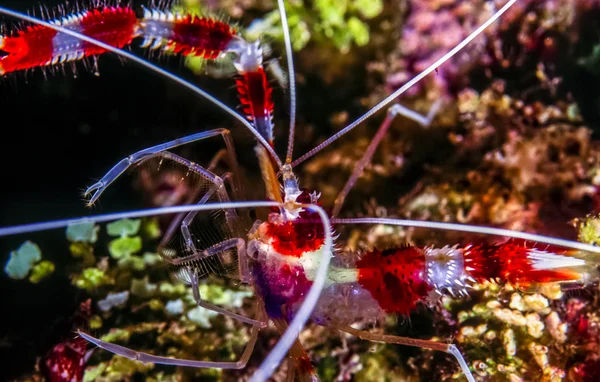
(150, 66)
(473, 229)
(292, 76)
(406, 86)
(55, 224)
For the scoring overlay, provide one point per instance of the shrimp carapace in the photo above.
(287, 250)
(295, 237)
(396, 278)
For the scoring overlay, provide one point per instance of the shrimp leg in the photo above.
(145, 357)
(298, 359)
(95, 190)
(184, 220)
(393, 111)
(207, 305)
(424, 344)
(218, 188)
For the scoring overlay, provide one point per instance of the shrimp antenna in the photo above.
(152, 67)
(292, 78)
(406, 86)
(55, 224)
(472, 229)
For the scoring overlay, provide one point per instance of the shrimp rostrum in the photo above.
(289, 255)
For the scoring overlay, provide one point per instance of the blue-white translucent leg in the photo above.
(219, 189)
(216, 249)
(393, 111)
(424, 344)
(183, 220)
(207, 305)
(95, 190)
(233, 177)
(145, 357)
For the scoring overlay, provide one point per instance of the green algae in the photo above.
(85, 232)
(27, 260)
(124, 227)
(23, 260)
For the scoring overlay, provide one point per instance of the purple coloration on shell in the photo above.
(280, 283)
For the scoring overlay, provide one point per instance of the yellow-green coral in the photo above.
(123, 247)
(523, 325)
(91, 278)
(170, 323)
(588, 229)
(41, 270)
(341, 22)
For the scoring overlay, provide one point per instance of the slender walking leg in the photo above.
(184, 220)
(218, 188)
(145, 357)
(393, 111)
(95, 190)
(298, 358)
(207, 305)
(424, 344)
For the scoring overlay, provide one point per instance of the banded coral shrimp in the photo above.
(439, 263)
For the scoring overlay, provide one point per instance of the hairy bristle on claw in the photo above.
(521, 264)
(36, 46)
(185, 34)
(255, 96)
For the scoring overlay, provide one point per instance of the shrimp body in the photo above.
(287, 253)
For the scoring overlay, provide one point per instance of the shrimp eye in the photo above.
(309, 233)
